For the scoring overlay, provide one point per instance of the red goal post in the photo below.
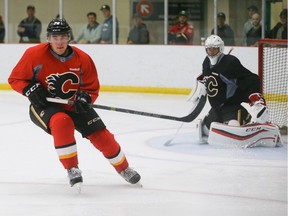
(273, 74)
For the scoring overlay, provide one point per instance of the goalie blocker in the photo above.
(246, 136)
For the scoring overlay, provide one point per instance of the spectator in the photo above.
(224, 30)
(254, 34)
(89, 34)
(181, 32)
(2, 30)
(252, 9)
(279, 31)
(139, 34)
(30, 28)
(107, 27)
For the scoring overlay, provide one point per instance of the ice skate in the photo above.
(75, 178)
(131, 176)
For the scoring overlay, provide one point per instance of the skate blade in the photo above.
(138, 184)
(77, 186)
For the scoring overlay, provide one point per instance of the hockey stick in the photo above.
(188, 118)
(169, 142)
(230, 51)
(192, 97)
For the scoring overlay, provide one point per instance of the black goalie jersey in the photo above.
(228, 82)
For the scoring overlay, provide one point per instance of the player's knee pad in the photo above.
(62, 129)
(61, 121)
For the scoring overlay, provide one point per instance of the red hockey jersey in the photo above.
(61, 76)
(185, 29)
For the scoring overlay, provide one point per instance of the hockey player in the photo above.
(58, 70)
(228, 83)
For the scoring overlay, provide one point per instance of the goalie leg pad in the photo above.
(246, 136)
(203, 131)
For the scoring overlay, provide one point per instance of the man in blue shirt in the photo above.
(107, 27)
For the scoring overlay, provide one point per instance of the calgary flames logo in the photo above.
(211, 85)
(63, 85)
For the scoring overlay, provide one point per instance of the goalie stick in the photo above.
(188, 118)
(200, 90)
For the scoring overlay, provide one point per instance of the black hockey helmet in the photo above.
(58, 26)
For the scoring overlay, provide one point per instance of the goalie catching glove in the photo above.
(82, 102)
(36, 94)
(257, 108)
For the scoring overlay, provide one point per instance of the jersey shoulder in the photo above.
(230, 59)
(38, 48)
(35, 52)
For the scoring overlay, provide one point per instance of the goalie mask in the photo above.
(214, 41)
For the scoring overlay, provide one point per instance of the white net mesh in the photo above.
(275, 80)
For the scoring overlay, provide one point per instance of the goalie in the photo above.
(233, 93)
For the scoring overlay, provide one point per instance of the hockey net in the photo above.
(273, 73)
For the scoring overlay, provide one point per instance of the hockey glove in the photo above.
(82, 102)
(257, 98)
(200, 90)
(257, 108)
(36, 94)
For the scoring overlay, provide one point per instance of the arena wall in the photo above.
(139, 68)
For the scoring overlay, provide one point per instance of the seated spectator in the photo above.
(30, 28)
(279, 31)
(2, 30)
(254, 34)
(252, 9)
(224, 30)
(139, 34)
(181, 32)
(89, 34)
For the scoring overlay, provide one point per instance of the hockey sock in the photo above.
(62, 130)
(105, 142)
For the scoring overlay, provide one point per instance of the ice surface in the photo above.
(185, 178)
